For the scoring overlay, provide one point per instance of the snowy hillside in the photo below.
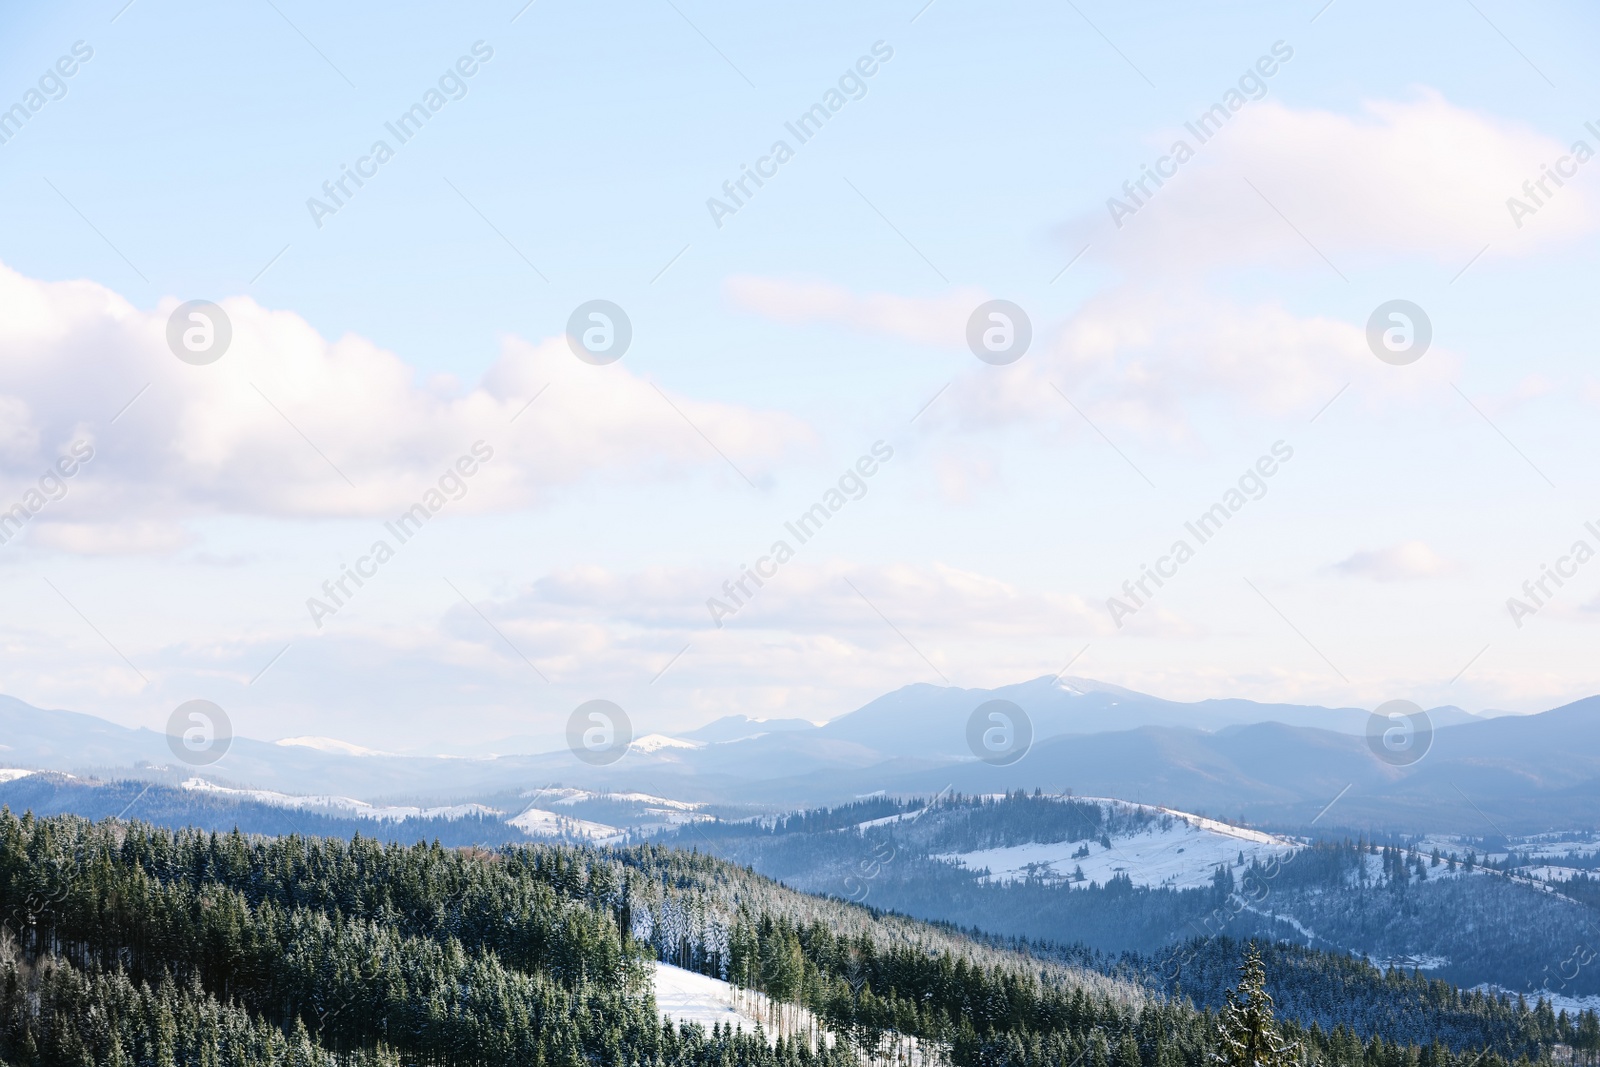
(537, 822)
(1177, 851)
(686, 997)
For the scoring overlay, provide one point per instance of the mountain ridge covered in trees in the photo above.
(132, 944)
(1339, 894)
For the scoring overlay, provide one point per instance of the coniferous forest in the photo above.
(127, 944)
(1340, 894)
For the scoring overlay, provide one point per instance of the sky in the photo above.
(517, 161)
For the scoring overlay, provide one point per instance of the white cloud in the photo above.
(1137, 356)
(1408, 561)
(807, 626)
(219, 438)
(1420, 177)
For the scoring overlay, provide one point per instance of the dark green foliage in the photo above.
(128, 944)
(1247, 1033)
(136, 945)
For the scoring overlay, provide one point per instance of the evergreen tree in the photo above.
(1247, 1033)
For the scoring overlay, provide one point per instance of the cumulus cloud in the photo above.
(1408, 561)
(1419, 177)
(286, 416)
(1136, 356)
(1139, 356)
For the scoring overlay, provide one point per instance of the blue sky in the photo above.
(771, 352)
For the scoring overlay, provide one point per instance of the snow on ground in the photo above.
(541, 820)
(11, 774)
(686, 997)
(570, 797)
(336, 805)
(904, 816)
(1409, 963)
(330, 745)
(1215, 826)
(1301, 928)
(536, 822)
(1181, 855)
(1558, 1002)
(559, 792)
(657, 742)
(1551, 846)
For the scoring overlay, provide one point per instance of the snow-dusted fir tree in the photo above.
(1247, 1035)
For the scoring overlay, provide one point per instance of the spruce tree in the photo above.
(1247, 1034)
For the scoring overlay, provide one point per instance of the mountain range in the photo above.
(1280, 764)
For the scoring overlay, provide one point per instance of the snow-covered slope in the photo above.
(537, 822)
(657, 742)
(1178, 851)
(686, 997)
(328, 744)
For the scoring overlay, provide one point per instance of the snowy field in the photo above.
(1183, 855)
(536, 822)
(686, 997)
(541, 819)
